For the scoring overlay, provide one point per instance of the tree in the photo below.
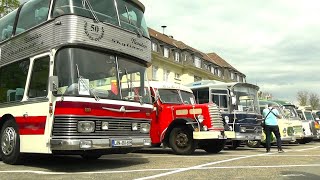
(314, 100)
(6, 6)
(302, 97)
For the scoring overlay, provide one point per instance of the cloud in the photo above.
(275, 43)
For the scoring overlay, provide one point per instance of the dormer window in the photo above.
(154, 47)
(166, 52)
(197, 62)
(177, 56)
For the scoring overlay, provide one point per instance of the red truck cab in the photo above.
(179, 123)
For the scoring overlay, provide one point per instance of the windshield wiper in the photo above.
(80, 78)
(91, 10)
(131, 87)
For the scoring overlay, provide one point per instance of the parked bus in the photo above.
(290, 113)
(285, 126)
(181, 124)
(239, 107)
(63, 64)
(309, 124)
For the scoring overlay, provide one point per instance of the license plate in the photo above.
(121, 142)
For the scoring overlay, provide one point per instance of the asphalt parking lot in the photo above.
(298, 162)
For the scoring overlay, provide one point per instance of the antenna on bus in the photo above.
(163, 27)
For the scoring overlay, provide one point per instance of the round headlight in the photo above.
(284, 130)
(200, 118)
(226, 118)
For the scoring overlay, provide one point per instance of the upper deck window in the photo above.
(131, 17)
(32, 13)
(6, 25)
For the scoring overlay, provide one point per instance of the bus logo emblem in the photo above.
(93, 31)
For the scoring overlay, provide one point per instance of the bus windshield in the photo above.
(308, 115)
(186, 97)
(246, 98)
(169, 96)
(130, 15)
(84, 72)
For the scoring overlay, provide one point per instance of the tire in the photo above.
(10, 143)
(234, 145)
(301, 141)
(253, 144)
(90, 156)
(181, 141)
(214, 146)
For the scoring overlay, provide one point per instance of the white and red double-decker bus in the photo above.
(65, 71)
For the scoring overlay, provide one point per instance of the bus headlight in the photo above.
(284, 130)
(200, 118)
(226, 118)
(243, 129)
(86, 126)
(145, 128)
(134, 126)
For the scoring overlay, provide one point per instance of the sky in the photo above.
(274, 43)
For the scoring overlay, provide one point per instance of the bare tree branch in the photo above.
(314, 100)
(302, 97)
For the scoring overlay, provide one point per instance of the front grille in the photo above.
(67, 127)
(215, 115)
(297, 129)
(252, 129)
(290, 131)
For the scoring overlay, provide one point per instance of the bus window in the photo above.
(12, 81)
(6, 25)
(39, 78)
(202, 95)
(104, 10)
(32, 13)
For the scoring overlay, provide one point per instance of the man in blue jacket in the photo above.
(270, 115)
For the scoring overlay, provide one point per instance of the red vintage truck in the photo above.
(182, 125)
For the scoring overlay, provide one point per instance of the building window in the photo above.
(166, 52)
(154, 72)
(219, 73)
(232, 75)
(166, 75)
(154, 47)
(197, 62)
(197, 78)
(177, 76)
(212, 69)
(185, 57)
(177, 56)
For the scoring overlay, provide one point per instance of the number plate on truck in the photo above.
(121, 142)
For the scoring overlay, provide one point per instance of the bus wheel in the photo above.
(10, 143)
(253, 144)
(181, 141)
(214, 146)
(90, 156)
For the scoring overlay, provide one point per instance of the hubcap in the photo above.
(8, 140)
(252, 143)
(182, 139)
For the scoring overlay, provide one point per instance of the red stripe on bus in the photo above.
(31, 125)
(96, 109)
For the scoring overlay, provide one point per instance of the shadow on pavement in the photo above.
(77, 164)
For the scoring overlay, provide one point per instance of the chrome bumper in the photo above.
(208, 135)
(242, 136)
(288, 139)
(298, 136)
(95, 144)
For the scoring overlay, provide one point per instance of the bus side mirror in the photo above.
(53, 83)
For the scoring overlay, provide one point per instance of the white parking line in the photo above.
(212, 163)
(152, 170)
